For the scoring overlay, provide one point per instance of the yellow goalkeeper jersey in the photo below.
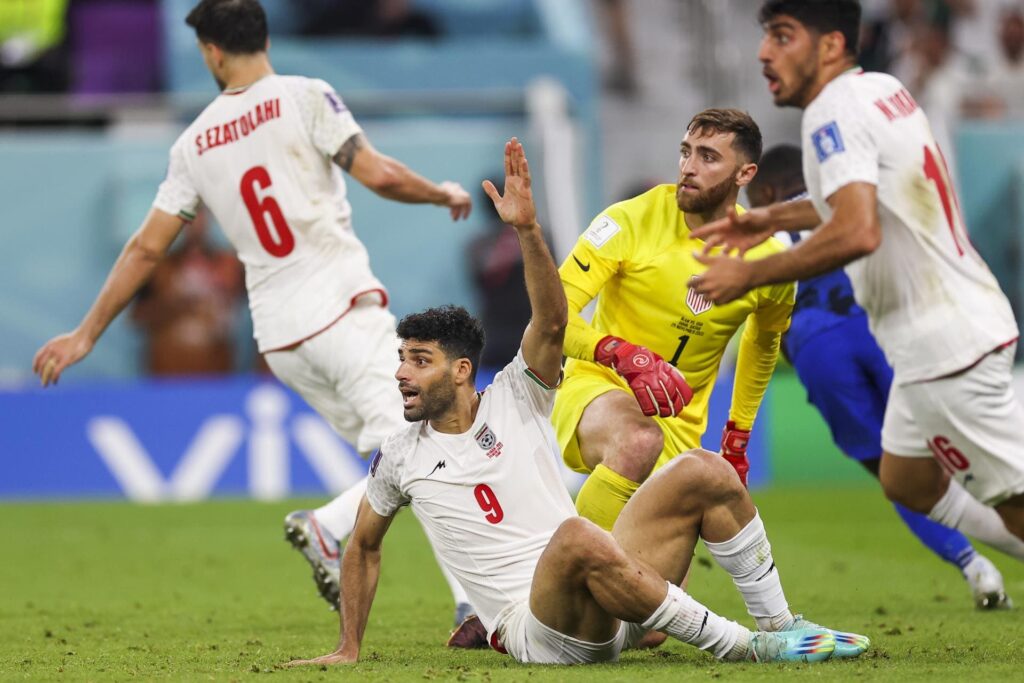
(637, 259)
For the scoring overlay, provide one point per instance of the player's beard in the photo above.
(805, 80)
(434, 401)
(707, 200)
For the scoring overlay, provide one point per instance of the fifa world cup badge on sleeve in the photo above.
(827, 141)
(601, 230)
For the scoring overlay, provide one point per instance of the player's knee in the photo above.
(705, 475)
(637, 450)
(582, 544)
(903, 492)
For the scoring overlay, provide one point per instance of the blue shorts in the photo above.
(847, 379)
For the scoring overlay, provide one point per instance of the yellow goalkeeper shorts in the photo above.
(585, 382)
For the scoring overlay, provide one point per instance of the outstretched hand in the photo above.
(459, 202)
(515, 205)
(736, 231)
(57, 354)
(336, 657)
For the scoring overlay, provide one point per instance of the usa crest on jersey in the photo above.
(697, 303)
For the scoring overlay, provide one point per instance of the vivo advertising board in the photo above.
(190, 439)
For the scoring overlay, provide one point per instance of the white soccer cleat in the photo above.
(321, 550)
(986, 584)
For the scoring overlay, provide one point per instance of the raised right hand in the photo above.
(659, 388)
(515, 206)
(57, 354)
(736, 231)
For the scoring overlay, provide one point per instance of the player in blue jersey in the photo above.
(847, 377)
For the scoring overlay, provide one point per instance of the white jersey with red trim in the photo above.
(934, 306)
(260, 159)
(490, 498)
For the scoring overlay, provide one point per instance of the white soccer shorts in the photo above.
(347, 374)
(527, 640)
(971, 423)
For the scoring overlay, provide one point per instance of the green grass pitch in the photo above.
(113, 591)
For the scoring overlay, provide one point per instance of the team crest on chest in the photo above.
(694, 301)
(486, 439)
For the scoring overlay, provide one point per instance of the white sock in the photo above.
(747, 557)
(685, 619)
(339, 515)
(959, 510)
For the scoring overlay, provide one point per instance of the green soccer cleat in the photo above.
(847, 644)
(803, 645)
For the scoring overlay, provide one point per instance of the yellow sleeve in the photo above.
(594, 260)
(759, 352)
(580, 338)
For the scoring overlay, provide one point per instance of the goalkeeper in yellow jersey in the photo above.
(638, 377)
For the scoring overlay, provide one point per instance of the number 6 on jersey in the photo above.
(255, 178)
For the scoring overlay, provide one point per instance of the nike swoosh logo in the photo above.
(579, 263)
(766, 573)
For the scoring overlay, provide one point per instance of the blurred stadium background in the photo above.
(93, 92)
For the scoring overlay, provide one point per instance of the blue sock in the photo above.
(949, 544)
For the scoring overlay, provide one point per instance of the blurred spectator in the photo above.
(973, 24)
(621, 75)
(189, 309)
(33, 57)
(1006, 78)
(382, 18)
(496, 265)
(888, 33)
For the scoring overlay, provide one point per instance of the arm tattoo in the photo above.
(347, 154)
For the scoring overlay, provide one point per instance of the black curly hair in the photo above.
(822, 16)
(235, 26)
(459, 334)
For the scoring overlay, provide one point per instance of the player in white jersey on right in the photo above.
(266, 158)
(481, 472)
(882, 195)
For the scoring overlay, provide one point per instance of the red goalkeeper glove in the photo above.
(734, 449)
(659, 388)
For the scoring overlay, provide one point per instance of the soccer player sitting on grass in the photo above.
(480, 472)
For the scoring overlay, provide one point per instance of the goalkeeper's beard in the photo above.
(707, 200)
(434, 401)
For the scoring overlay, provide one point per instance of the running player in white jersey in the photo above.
(882, 194)
(266, 158)
(480, 472)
